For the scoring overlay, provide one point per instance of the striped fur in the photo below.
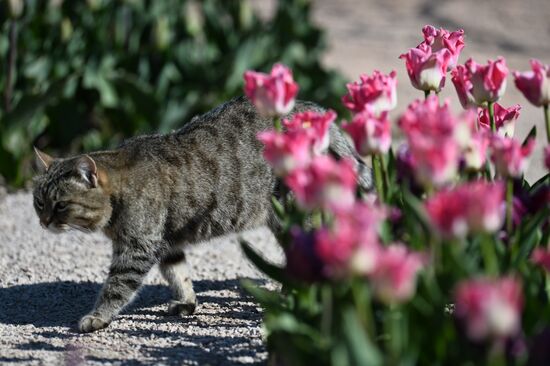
(155, 194)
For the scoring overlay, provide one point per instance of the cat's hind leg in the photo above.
(174, 270)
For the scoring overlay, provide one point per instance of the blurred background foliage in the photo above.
(83, 75)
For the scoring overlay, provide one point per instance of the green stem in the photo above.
(496, 356)
(489, 255)
(317, 219)
(491, 108)
(393, 328)
(426, 94)
(547, 288)
(378, 179)
(547, 120)
(385, 175)
(326, 319)
(277, 124)
(363, 306)
(435, 248)
(509, 205)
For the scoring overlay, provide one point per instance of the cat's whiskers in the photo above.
(80, 228)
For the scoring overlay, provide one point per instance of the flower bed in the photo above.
(447, 263)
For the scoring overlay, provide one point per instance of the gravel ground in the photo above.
(48, 281)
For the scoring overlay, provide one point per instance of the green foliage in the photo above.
(88, 74)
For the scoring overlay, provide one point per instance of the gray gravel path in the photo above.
(48, 281)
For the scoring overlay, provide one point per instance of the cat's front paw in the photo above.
(91, 323)
(182, 308)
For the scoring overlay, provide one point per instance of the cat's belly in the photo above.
(228, 209)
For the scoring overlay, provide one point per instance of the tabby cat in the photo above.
(154, 194)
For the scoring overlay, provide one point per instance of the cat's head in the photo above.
(69, 194)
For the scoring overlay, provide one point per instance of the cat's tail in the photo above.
(341, 147)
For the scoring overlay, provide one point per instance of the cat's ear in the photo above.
(88, 170)
(43, 160)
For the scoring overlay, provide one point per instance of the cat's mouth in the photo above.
(61, 228)
(57, 228)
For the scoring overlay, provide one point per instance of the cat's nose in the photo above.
(45, 221)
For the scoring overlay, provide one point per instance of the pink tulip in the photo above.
(475, 152)
(463, 85)
(435, 165)
(547, 157)
(428, 119)
(535, 85)
(441, 38)
(273, 94)
(480, 84)
(394, 277)
(491, 308)
(377, 92)
(370, 134)
(315, 123)
(465, 127)
(509, 157)
(350, 245)
(286, 152)
(427, 69)
(541, 257)
(324, 184)
(473, 143)
(505, 119)
(485, 205)
(471, 207)
(430, 130)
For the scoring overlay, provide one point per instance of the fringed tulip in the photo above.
(509, 156)
(316, 124)
(350, 245)
(480, 84)
(475, 152)
(471, 207)
(465, 127)
(427, 69)
(370, 134)
(535, 84)
(273, 94)
(286, 152)
(435, 165)
(325, 184)
(490, 308)
(430, 130)
(376, 92)
(439, 39)
(463, 85)
(505, 119)
(394, 278)
(541, 257)
(428, 119)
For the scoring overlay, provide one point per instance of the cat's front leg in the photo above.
(131, 262)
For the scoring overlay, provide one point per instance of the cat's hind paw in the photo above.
(91, 323)
(182, 308)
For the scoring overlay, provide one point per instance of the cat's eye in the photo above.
(61, 206)
(39, 204)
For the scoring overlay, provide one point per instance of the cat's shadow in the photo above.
(51, 304)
